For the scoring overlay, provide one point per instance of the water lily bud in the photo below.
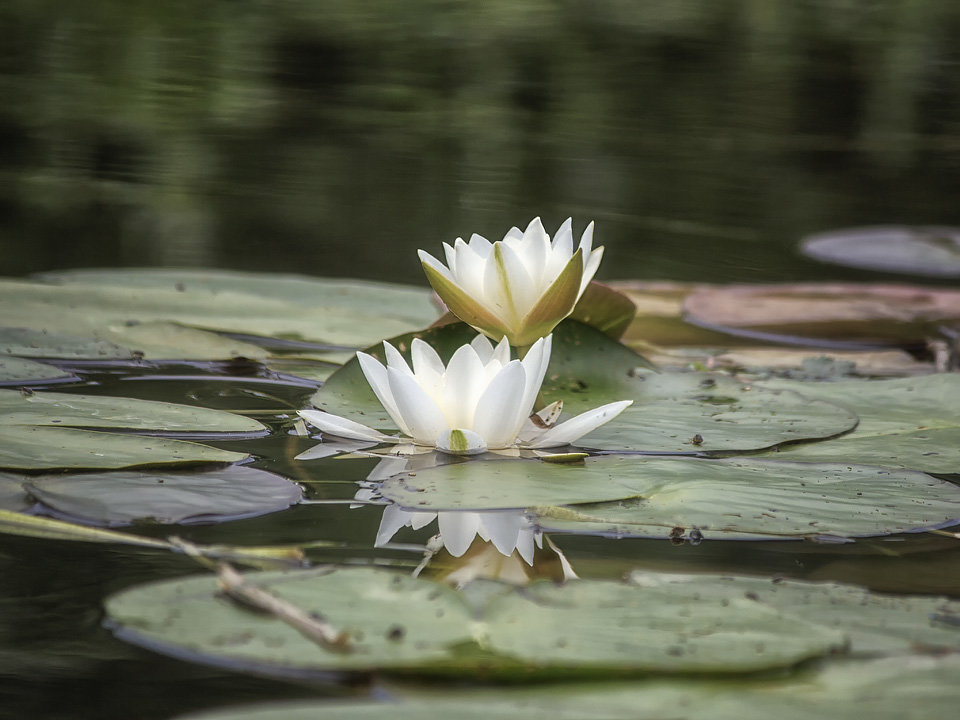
(519, 287)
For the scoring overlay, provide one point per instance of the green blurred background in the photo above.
(333, 137)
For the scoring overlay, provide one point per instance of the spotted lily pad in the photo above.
(933, 251)
(705, 414)
(121, 498)
(143, 309)
(12, 495)
(662, 497)
(20, 371)
(96, 411)
(904, 423)
(882, 689)
(396, 622)
(588, 369)
(25, 447)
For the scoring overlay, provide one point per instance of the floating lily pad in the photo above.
(586, 368)
(604, 308)
(121, 498)
(396, 622)
(904, 423)
(143, 309)
(883, 689)
(704, 414)
(662, 497)
(933, 251)
(12, 495)
(25, 342)
(19, 371)
(826, 314)
(97, 411)
(53, 448)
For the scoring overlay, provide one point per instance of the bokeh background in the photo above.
(705, 137)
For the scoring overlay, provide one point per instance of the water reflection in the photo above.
(493, 544)
(703, 137)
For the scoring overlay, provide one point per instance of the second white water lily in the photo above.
(519, 287)
(481, 400)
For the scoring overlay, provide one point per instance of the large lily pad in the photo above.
(661, 497)
(34, 448)
(12, 495)
(588, 369)
(96, 411)
(144, 309)
(829, 315)
(396, 622)
(19, 371)
(121, 498)
(933, 251)
(904, 423)
(883, 689)
(585, 367)
(705, 414)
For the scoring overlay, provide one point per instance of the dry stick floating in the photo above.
(309, 625)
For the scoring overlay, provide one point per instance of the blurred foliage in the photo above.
(704, 136)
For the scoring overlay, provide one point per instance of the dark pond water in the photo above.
(705, 138)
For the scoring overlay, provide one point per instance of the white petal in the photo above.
(535, 366)
(461, 442)
(470, 272)
(463, 383)
(563, 241)
(426, 362)
(525, 542)
(451, 256)
(329, 448)
(586, 240)
(388, 467)
(514, 232)
(421, 519)
(515, 283)
(430, 260)
(498, 418)
(483, 347)
(376, 375)
(342, 427)
(417, 408)
(502, 529)
(395, 359)
(502, 352)
(458, 529)
(590, 269)
(480, 245)
(392, 520)
(575, 428)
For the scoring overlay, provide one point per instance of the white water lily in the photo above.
(519, 287)
(481, 400)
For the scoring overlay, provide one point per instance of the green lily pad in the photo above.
(96, 411)
(883, 689)
(909, 423)
(23, 447)
(932, 251)
(14, 370)
(704, 414)
(144, 309)
(121, 498)
(12, 495)
(588, 369)
(396, 622)
(661, 497)
(24, 342)
(583, 358)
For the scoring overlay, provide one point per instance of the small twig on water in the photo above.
(311, 626)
